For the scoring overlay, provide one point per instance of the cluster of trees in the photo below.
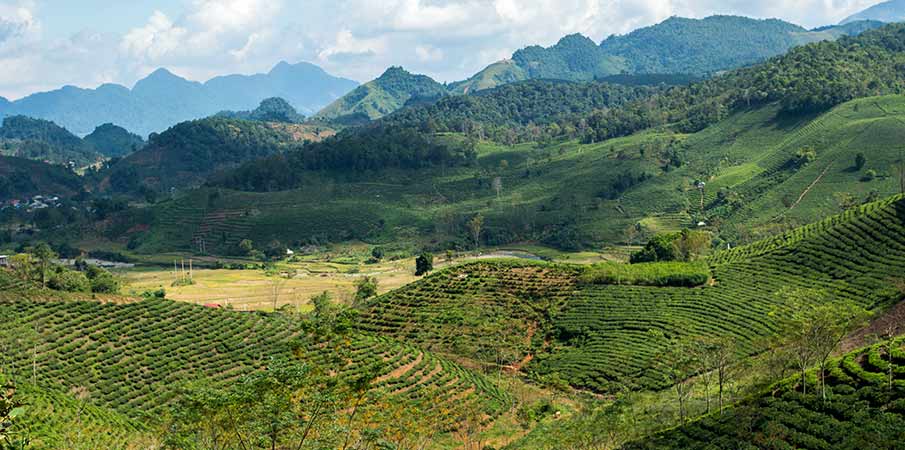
(37, 265)
(274, 109)
(686, 246)
(114, 141)
(370, 149)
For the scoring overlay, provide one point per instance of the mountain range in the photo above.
(891, 11)
(697, 47)
(163, 99)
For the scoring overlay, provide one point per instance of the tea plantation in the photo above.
(864, 408)
(595, 335)
(134, 358)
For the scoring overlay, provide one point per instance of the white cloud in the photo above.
(447, 39)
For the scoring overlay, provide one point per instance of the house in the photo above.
(4, 261)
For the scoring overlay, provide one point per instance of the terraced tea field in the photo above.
(133, 358)
(865, 404)
(597, 335)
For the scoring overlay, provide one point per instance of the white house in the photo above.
(4, 261)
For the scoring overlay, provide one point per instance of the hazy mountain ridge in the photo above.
(163, 99)
(890, 11)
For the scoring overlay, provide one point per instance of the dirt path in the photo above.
(811, 186)
(892, 320)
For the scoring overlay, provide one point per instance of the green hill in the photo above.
(382, 96)
(865, 408)
(113, 141)
(707, 46)
(273, 109)
(39, 139)
(697, 47)
(599, 336)
(186, 153)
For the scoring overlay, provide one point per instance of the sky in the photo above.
(45, 44)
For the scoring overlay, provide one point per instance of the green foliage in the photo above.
(273, 109)
(384, 95)
(860, 161)
(69, 281)
(114, 141)
(20, 178)
(861, 410)
(365, 288)
(43, 140)
(189, 151)
(388, 147)
(424, 263)
(676, 274)
(686, 245)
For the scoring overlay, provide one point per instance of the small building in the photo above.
(4, 261)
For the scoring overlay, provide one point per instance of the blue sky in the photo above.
(45, 44)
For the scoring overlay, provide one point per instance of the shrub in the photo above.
(676, 274)
(69, 281)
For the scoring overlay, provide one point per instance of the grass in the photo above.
(677, 274)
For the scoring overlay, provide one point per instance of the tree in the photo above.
(813, 326)
(377, 253)
(678, 364)
(424, 263)
(691, 244)
(715, 357)
(475, 225)
(860, 161)
(44, 254)
(70, 281)
(365, 288)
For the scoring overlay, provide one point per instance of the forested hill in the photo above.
(705, 46)
(113, 141)
(38, 139)
(676, 46)
(514, 112)
(189, 151)
(382, 96)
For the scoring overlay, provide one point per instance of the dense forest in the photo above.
(189, 151)
(43, 140)
(113, 141)
(386, 147)
(521, 111)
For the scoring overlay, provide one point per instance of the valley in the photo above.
(687, 236)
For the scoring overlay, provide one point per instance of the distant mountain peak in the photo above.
(889, 11)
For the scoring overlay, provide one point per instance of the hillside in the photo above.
(141, 359)
(272, 109)
(865, 408)
(388, 93)
(188, 152)
(705, 46)
(163, 99)
(113, 141)
(21, 178)
(698, 47)
(889, 11)
(39, 139)
(599, 336)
